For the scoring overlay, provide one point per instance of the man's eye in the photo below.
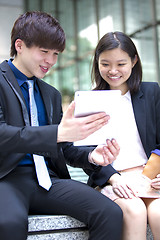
(44, 51)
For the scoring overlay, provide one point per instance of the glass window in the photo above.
(138, 14)
(159, 47)
(158, 9)
(86, 27)
(33, 5)
(84, 74)
(49, 6)
(110, 18)
(146, 49)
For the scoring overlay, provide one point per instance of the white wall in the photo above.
(9, 12)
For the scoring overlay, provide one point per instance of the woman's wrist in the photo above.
(114, 178)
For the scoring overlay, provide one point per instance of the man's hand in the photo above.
(105, 154)
(73, 129)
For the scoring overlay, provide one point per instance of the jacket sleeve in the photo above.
(77, 156)
(100, 177)
(157, 104)
(27, 139)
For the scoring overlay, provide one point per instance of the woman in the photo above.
(117, 66)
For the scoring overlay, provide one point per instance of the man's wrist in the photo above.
(59, 135)
(90, 159)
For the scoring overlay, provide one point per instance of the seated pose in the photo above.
(117, 66)
(36, 141)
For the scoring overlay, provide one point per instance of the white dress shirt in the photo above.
(131, 150)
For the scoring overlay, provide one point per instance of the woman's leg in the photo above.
(153, 210)
(134, 218)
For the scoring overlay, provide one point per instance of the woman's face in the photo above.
(115, 67)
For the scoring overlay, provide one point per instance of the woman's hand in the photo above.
(105, 154)
(120, 187)
(155, 183)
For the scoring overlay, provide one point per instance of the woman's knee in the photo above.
(133, 208)
(153, 206)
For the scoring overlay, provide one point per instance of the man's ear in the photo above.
(134, 61)
(19, 45)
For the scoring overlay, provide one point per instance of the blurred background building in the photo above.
(85, 22)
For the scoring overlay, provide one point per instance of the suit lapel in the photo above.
(11, 80)
(138, 102)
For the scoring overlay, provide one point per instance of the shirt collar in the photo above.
(21, 78)
(127, 96)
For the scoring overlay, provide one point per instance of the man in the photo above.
(33, 131)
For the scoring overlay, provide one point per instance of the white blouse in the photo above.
(131, 153)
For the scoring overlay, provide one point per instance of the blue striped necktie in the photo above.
(40, 165)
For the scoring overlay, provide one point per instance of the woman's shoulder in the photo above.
(149, 84)
(150, 89)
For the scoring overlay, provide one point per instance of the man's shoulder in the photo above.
(5, 70)
(4, 65)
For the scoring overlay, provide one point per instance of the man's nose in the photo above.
(51, 60)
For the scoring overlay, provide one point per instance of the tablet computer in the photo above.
(90, 102)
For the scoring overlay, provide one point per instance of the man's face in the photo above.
(35, 61)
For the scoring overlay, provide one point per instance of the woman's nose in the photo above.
(113, 71)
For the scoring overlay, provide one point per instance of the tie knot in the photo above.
(30, 83)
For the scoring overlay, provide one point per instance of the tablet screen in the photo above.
(90, 102)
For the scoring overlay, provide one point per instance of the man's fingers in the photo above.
(70, 110)
(95, 117)
(113, 147)
(97, 123)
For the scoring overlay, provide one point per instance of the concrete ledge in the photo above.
(149, 233)
(55, 227)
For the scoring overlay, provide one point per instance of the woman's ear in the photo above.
(19, 45)
(134, 61)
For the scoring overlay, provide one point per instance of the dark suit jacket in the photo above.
(17, 137)
(146, 106)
